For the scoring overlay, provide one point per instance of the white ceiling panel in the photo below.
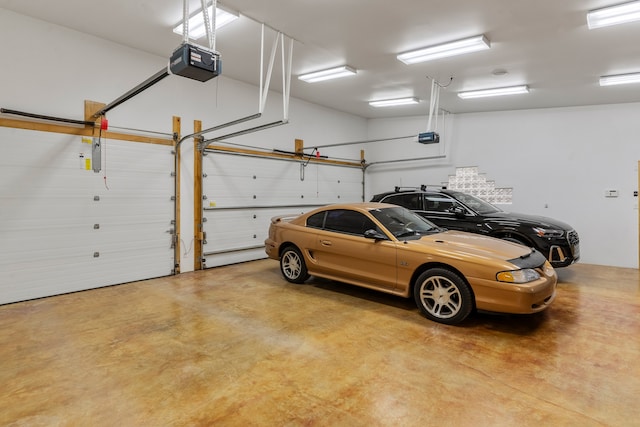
(544, 44)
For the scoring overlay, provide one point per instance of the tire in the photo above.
(292, 265)
(443, 296)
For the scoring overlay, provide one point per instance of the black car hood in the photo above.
(534, 220)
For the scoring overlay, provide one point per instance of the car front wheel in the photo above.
(443, 296)
(292, 265)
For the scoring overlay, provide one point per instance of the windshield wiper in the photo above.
(407, 234)
(419, 232)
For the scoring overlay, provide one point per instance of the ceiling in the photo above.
(544, 44)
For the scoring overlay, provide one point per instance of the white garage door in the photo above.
(242, 193)
(65, 228)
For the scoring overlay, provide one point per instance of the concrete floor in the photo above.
(239, 346)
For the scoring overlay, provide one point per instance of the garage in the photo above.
(154, 182)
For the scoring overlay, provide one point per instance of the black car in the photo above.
(454, 210)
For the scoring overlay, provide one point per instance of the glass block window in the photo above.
(469, 180)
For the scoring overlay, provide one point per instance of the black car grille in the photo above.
(573, 238)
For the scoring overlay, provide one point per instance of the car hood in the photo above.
(473, 246)
(534, 220)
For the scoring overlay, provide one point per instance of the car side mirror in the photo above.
(375, 235)
(458, 211)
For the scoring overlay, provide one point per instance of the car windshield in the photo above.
(478, 205)
(403, 223)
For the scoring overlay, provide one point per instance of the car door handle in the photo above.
(325, 242)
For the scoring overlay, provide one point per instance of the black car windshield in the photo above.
(478, 205)
(402, 222)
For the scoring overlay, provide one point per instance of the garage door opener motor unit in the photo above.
(187, 60)
(195, 62)
(431, 136)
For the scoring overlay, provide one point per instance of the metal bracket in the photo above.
(96, 155)
(202, 144)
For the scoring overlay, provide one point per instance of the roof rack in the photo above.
(422, 187)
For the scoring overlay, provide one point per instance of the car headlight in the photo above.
(548, 232)
(518, 276)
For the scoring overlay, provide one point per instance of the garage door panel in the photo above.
(65, 228)
(249, 188)
(243, 193)
(278, 194)
(263, 199)
(252, 218)
(144, 207)
(234, 257)
(72, 241)
(230, 166)
(80, 271)
(231, 243)
(63, 209)
(232, 230)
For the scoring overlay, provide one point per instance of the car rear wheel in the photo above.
(443, 296)
(292, 265)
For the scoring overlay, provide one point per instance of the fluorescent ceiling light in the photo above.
(332, 73)
(620, 79)
(512, 90)
(196, 22)
(394, 102)
(458, 47)
(613, 15)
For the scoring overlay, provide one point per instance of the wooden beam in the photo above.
(81, 131)
(285, 156)
(45, 127)
(137, 138)
(90, 108)
(198, 233)
(176, 231)
(299, 147)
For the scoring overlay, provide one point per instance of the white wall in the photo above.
(51, 70)
(558, 161)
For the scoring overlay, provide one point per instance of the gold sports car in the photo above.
(391, 249)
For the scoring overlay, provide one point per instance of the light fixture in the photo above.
(196, 22)
(614, 15)
(394, 102)
(620, 79)
(458, 47)
(511, 90)
(332, 73)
